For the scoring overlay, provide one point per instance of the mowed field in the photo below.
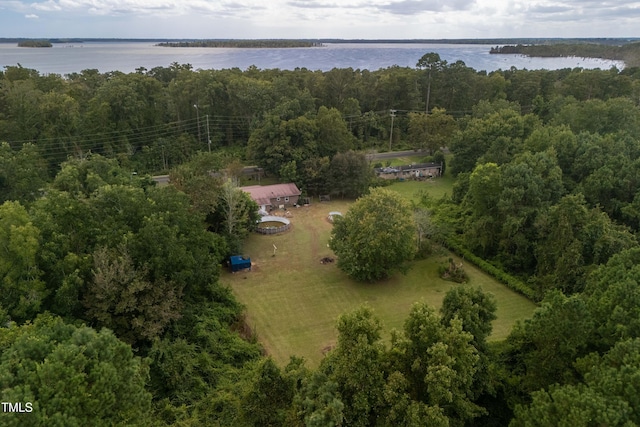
(293, 300)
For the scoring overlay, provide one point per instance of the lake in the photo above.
(127, 56)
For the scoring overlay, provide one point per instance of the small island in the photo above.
(34, 43)
(279, 43)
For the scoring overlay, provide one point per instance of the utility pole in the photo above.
(208, 136)
(164, 160)
(198, 118)
(393, 115)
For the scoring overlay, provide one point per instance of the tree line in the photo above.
(158, 118)
(270, 43)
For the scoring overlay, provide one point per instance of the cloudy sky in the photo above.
(347, 19)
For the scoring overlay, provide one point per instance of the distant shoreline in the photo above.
(35, 43)
(628, 53)
(259, 44)
(489, 41)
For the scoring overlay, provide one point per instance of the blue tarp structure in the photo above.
(238, 262)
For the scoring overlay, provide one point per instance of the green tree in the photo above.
(431, 131)
(333, 135)
(349, 174)
(74, 376)
(23, 173)
(276, 143)
(195, 179)
(356, 366)
(22, 292)
(83, 176)
(20, 106)
(68, 228)
(432, 64)
(477, 310)
(543, 349)
(121, 107)
(494, 138)
(314, 175)
(235, 216)
(376, 236)
(483, 223)
(530, 184)
(608, 394)
(121, 298)
(612, 292)
(402, 411)
(319, 401)
(574, 238)
(439, 362)
(59, 118)
(268, 396)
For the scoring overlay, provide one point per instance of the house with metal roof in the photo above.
(273, 196)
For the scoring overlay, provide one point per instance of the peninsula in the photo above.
(627, 52)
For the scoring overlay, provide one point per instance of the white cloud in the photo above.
(31, 16)
(330, 18)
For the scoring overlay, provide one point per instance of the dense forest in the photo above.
(34, 43)
(110, 307)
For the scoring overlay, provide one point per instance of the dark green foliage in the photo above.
(23, 173)
(613, 295)
(494, 138)
(438, 157)
(349, 175)
(431, 132)
(475, 308)
(356, 367)
(22, 290)
(439, 363)
(74, 376)
(425, 378)
(546, 346)
(121, 297)
(268, 396)
(35, 43)
(575, 238)
(319, 402)
(608, 394)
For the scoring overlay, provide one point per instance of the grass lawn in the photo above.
(293, 300)
(400, 161)
(436, 187)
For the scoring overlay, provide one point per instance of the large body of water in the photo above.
(128, 56)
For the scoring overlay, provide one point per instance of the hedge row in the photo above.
(510, 281)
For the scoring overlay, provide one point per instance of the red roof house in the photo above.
(277, 195)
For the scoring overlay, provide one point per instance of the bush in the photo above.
(453, 272)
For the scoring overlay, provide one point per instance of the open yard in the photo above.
(293, 300)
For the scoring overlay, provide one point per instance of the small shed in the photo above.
(238, 262)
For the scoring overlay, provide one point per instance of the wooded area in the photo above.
(110, 296)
